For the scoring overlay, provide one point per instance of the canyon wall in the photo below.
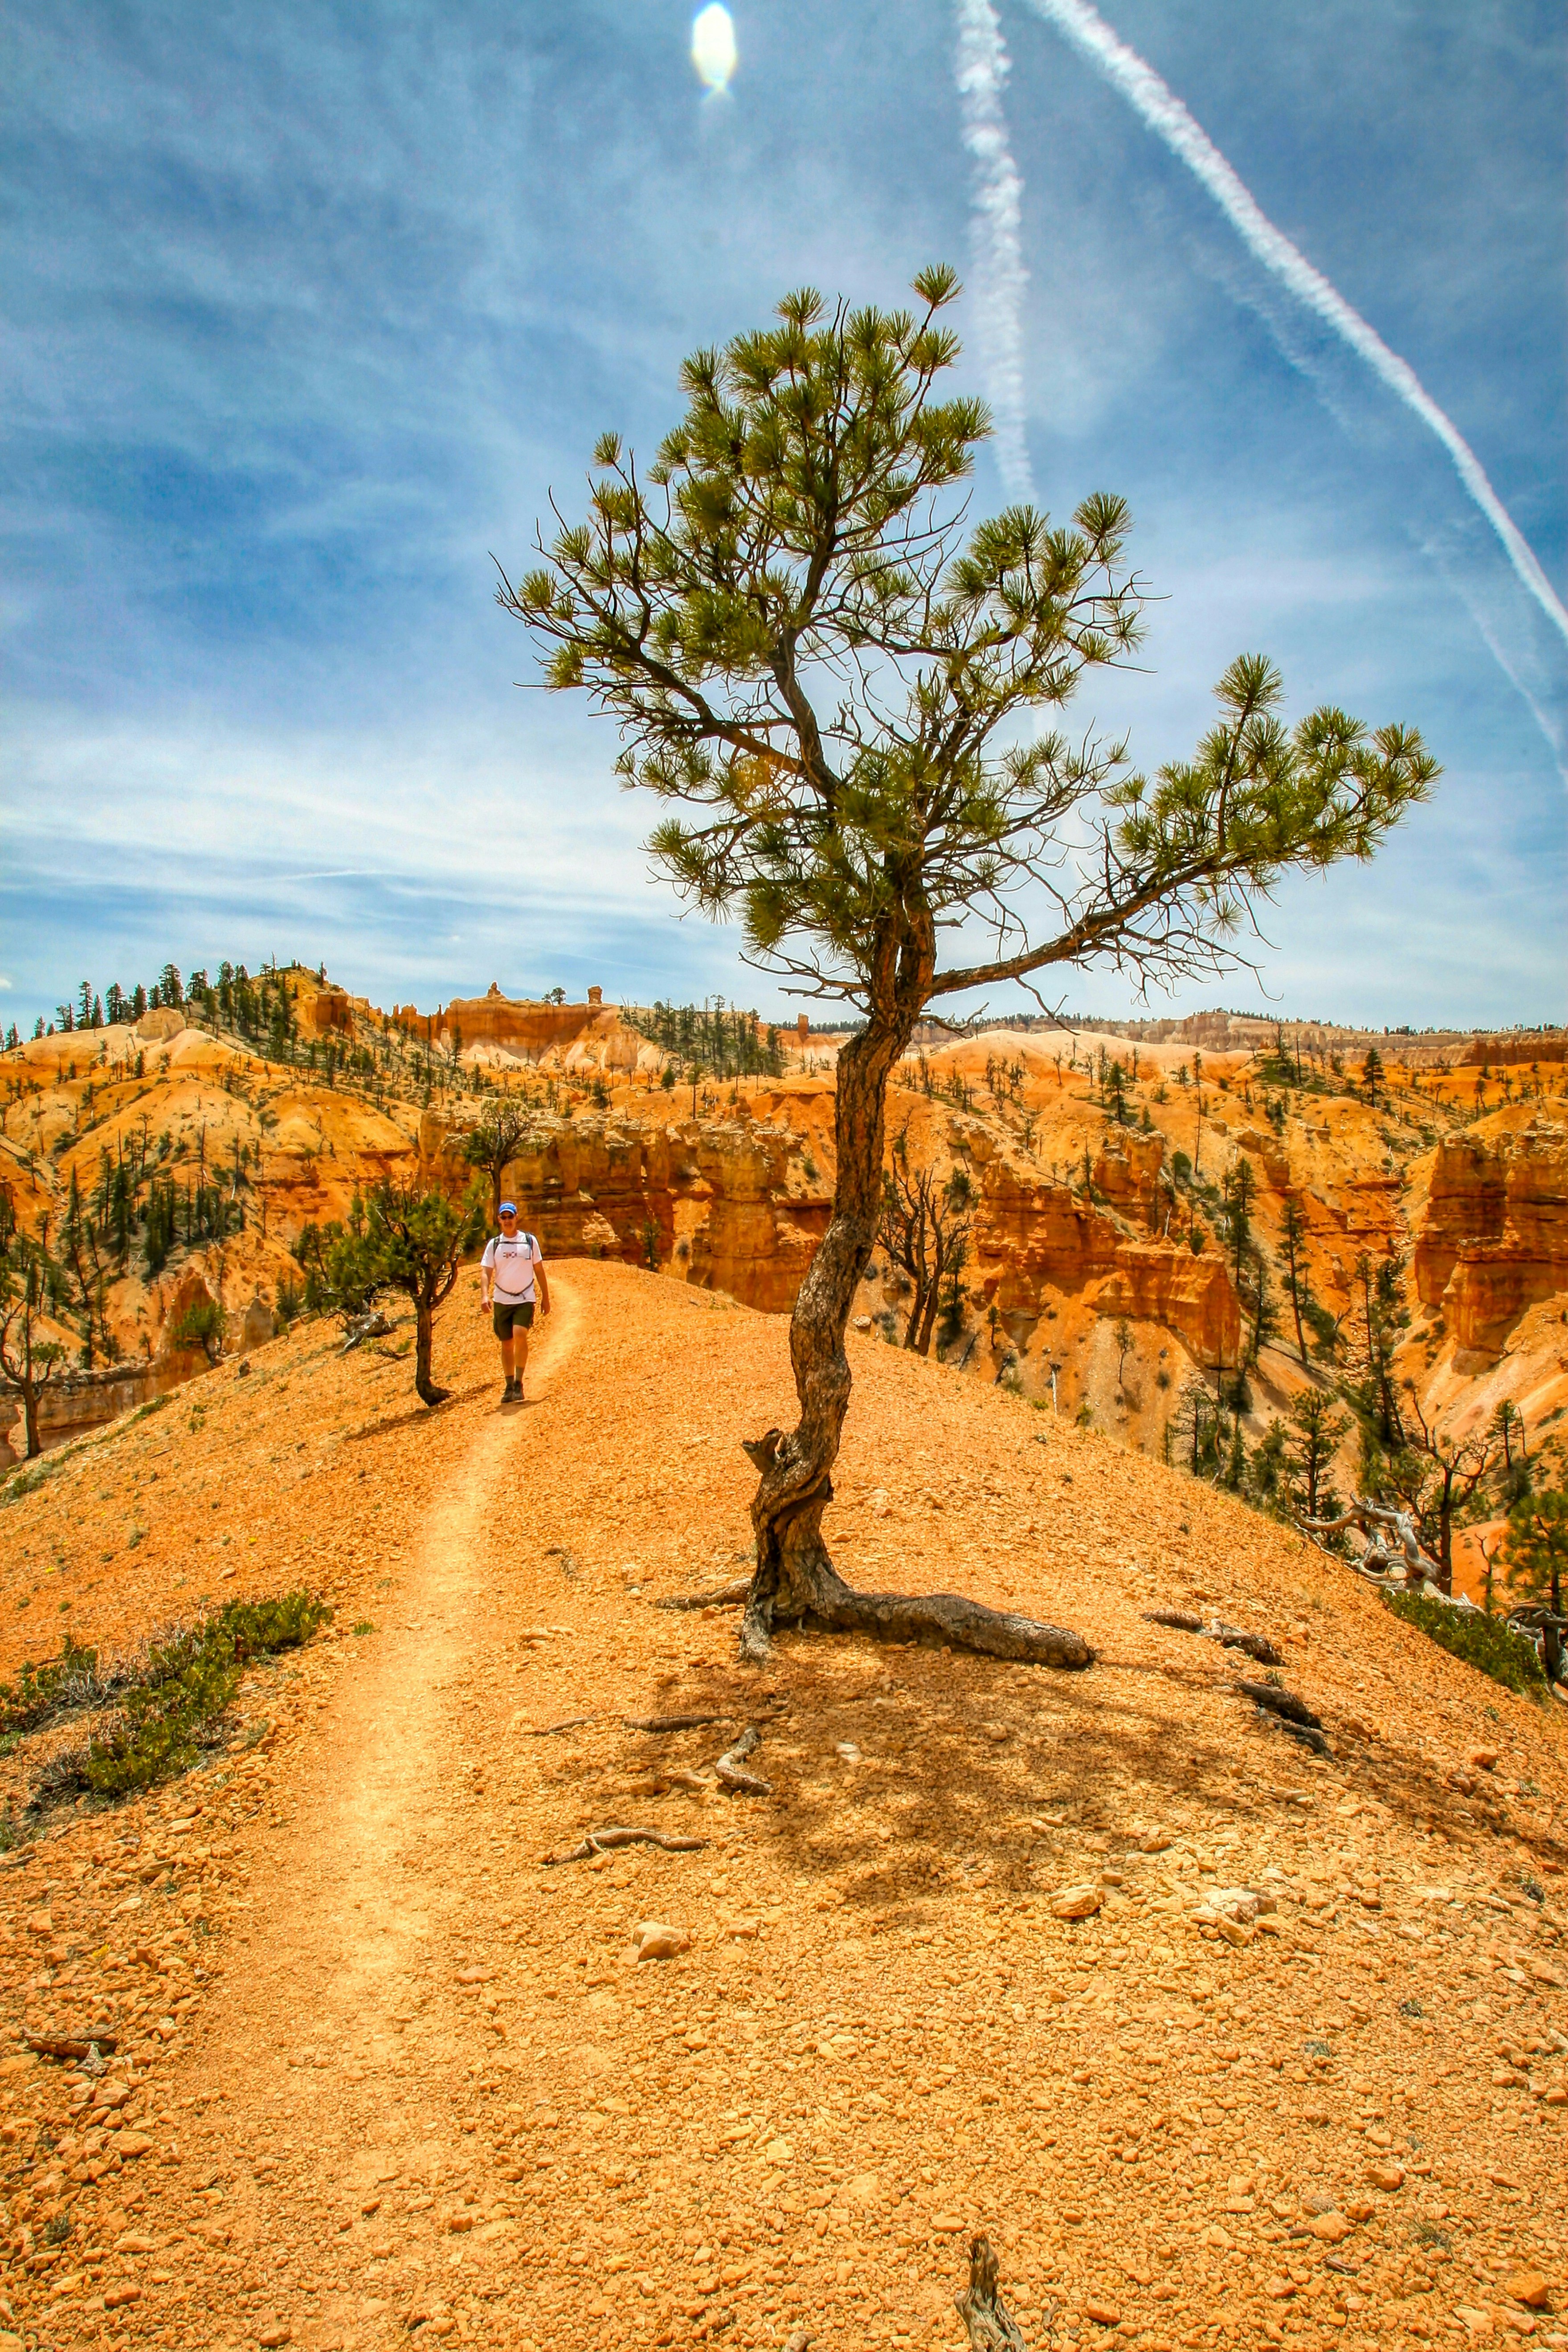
(568, 1036)
(1035, 1238)
(76, 1402)
(1493, 1237)
(602, 1184)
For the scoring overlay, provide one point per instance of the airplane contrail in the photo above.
(1162, 110)
(1000, 277)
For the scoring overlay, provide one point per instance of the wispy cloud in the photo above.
(1167, 117)
(999, 277)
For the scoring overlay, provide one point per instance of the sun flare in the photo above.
(713, 51)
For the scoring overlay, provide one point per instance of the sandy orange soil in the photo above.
(381, 2076)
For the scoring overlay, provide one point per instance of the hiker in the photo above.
(511, 1265)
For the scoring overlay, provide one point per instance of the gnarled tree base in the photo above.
(820, 1598)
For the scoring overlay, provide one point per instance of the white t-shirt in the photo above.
(511, 1263)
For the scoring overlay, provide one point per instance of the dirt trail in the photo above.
(338, 1992)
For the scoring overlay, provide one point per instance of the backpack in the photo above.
(518, 1236)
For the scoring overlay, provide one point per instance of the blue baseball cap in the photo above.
(507, 1209)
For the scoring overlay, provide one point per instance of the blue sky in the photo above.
(306, 308)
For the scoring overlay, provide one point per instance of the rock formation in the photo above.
(1493, 1239)
(518, 1029)
(1470, 1201)
(605, 1185)
(756, 1242)
(1034, 1239)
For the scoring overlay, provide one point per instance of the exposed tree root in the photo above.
(731, 1771)
(573, 1723)
(606, 1841)
(361, 1327)
(726, 1596)
(796, 1582)
(992, 2327)
(1282, 1703)
(668, 1722)
(933, 1619)
(1230, 1637)
(1301, 1733)
(1288, 1714)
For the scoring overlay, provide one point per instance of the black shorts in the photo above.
(506, 1316)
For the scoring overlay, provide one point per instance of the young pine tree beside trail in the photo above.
(404, 1236)
(831, 690)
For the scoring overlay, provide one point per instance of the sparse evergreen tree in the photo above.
(1292, 1241)
(1317, 1429)
(795, 526)
(414, 1238)
(1264, 1315)
(493, 1145)
(28, 1362)
(1535, 1549)
(1239, 1186)
(1535, 1566)
(1269, 1472)
(1235, 1462)
(924, 1229)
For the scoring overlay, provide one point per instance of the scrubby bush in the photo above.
(201, 1326)
(1480, 1640)
(59, 1686)
(170, 1698)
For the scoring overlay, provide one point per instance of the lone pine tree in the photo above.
(832, 684)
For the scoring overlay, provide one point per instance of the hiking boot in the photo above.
(512, 1391)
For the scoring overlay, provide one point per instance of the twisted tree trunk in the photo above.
(425, 1385)
(794, 1580)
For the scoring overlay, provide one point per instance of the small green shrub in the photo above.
(169, 1699)
(202, 1326)
(1483, 1642)
(41, 1693)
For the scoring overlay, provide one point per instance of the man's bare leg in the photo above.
(521, 1341)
